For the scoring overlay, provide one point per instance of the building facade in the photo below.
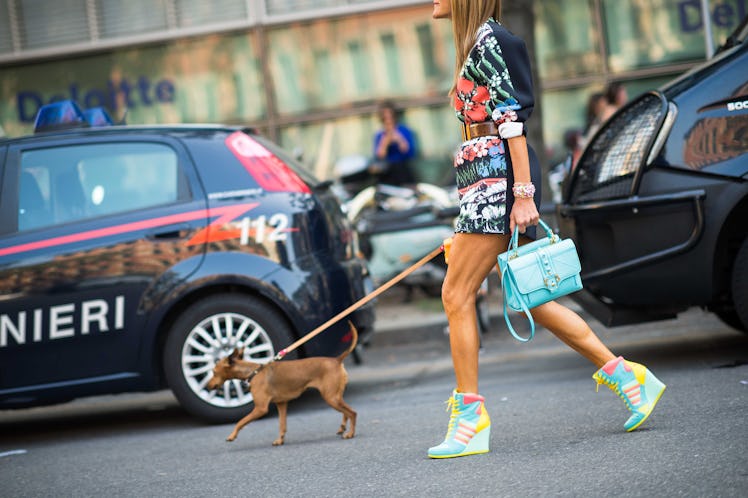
(310, 73)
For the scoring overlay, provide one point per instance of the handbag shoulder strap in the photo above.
(513, 245)
(504, 283)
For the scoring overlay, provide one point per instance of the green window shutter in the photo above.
(426, 44)
(361, 69)
(394, 78)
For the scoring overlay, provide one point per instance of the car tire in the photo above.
(209, 330)
(740, 285)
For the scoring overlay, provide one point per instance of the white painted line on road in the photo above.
(12, 452)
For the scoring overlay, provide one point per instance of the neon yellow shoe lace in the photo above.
(615, 387)
(452, 404)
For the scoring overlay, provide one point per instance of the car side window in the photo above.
(63, 184)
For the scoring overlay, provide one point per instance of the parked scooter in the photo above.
(397, 225)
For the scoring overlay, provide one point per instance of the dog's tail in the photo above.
(354, 341)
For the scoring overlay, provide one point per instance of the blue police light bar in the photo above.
(97, 116)
(58, 116)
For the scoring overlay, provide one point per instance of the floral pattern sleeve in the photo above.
(496, 81)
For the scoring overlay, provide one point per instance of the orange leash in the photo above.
(379, 290)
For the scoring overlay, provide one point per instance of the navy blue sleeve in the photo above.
(504, 64)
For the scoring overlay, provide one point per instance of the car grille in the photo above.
(609, 164)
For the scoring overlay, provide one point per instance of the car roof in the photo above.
(165, 129)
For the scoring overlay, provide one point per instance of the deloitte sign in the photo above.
(131, 94)
(723, 14)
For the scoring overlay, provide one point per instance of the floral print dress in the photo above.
(495, 83)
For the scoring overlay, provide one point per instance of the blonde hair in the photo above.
(467, 18)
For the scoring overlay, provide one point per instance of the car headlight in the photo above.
(609, 165)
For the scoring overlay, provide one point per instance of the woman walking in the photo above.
(498, 177)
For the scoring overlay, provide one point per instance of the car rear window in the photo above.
(287, 158)
(70, 183)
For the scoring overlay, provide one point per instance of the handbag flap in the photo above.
(522, 250)
(546, 267)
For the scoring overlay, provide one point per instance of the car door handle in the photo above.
(177, 231)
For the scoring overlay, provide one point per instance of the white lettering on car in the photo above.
(119, 312)
(280, 223)
(275, 229)
(8, 327)
(737, 106)
(38, 325)
(61, 320)
(60, 316)
(94, 311)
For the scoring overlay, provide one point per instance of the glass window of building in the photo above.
(567, 41)
(46, 24)
(217, 79)
(289, 6)
(564, 111)
(118, 18)
(199, 12)
(358, 59)
(6, 38)
(642, 33)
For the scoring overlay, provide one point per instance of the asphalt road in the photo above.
(552, 435)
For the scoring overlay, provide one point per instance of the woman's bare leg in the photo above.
(471, 258)
(572, 330)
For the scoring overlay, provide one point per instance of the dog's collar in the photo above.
(255, 372)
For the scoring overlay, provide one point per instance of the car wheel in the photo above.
(740, 285)
(210, 330)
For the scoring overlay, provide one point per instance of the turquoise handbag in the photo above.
(536, 273)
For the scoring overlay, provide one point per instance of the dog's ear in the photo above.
(236, 354)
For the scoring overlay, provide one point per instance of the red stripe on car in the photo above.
(208, 234)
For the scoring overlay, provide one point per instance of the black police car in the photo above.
(133, 258)
(658, 204)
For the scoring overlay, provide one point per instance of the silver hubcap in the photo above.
(214, 338)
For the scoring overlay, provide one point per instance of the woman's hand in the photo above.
(524, 213)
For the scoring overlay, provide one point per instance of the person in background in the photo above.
(600, 108)
(394, 148)
(498, 178)
(560, 172)
(596, 104)
(616, 96)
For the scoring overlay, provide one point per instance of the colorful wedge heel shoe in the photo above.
(469, 428)
(635, 385)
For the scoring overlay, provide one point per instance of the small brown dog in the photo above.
(282, 381)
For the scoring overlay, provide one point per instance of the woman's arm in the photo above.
(388, 137)
(505, 63)
(524, 212)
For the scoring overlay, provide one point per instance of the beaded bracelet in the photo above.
(523, 190)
